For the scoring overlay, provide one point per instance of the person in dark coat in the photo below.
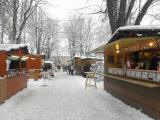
(154, 62)
(69, 69)
(85, 68)
(72, 69)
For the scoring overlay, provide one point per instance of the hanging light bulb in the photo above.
(151, 44)
(117, 46)
(117, 51)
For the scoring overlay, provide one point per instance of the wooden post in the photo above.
(20, 64)
(123, 62)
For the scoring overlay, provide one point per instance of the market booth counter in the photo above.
(13, 69)
(129, 73)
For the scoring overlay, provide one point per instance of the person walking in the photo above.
(72, 69)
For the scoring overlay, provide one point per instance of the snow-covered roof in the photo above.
(147, 30)
(89, 57)
(8, 47)
(140, 27)
(76, 56)
(51, 62)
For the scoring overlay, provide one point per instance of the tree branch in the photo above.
(143, 11)
(131, 4)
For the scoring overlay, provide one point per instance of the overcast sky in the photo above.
(62, 9)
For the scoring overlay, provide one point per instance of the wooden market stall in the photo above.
(132, 67)
(34, 66)
(82, 64)
(78, 65)
(13, 75)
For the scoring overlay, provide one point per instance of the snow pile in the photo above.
(65, 98)
(8, 47)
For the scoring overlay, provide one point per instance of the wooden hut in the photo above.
(13, 63)
(82, 62)
(34, 66)
(78, 65)
(129, 57)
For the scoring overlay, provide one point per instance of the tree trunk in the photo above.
(143, 12)
(1, 20)
(130, 7)
(39, 41)
(122, 13)
(112, 13)
(119, 17)
(14, 32)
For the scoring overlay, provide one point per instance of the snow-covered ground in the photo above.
(66, 99)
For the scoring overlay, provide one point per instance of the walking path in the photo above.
(66, 99)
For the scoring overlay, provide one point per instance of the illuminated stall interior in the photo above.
(135, 47)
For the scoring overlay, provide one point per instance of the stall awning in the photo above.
(98, 50)
(132, 44)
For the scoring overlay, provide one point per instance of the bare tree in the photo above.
(79, 33)
(119, 12)
(2, 19)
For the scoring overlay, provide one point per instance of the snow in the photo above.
(51, 62)
(8, 47)
(140, 27)
(136, 28)
(65, 98)
(88, 57)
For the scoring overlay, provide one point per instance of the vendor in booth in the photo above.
(130, 63)
(154, 62)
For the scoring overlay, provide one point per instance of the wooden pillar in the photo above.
(20, 64)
